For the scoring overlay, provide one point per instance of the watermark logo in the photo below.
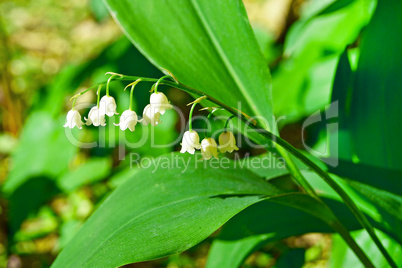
(177, 162)
(325, 119)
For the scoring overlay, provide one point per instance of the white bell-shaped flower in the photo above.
(73, 119)
(190, 142)
(95, 117)
(160, 102)
(107, 105)
(227, 142)
(128, 119)
(209, 148)
(150, 116)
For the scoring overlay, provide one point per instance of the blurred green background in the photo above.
(50, 50)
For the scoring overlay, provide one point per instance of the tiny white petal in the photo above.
(128, 119)
(227, 142)
(150, 116)
(73, 119)
(209, 148)
(160, 102)
(95, 117)
(190, 142)
(107, 106)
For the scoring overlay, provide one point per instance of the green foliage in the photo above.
(342, 257)
(211, 47)
(373, 92)
(141, 217)
(90, 172)
(345, 51)
(312, 47)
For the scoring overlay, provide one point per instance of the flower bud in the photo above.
(227, 142)
(95, 117)
(209, 148)
(73, 119)
(128, 119)
(190, 142)
(107, 105)
(160, 102)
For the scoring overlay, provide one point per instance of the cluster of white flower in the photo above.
(128, 119)
(208, 146)
(151, 115)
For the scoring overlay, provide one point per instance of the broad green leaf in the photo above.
(369, 97)
(254, 227)
(382, 207)
(341, 93)
(342, 256)
(265, 165)
(377, 90)
(164, 209)
(390, 202)
(305, 203)
(207, 45)
(378, 177)
(302, 82)
(377, 201)
(266, 222)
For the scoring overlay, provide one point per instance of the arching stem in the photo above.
(160, 79)
(133, 84)
(227, 122)
(98, 94)
(190, 117)
(108, 82)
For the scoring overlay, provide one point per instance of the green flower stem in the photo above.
(72, 107)
(160, 79)
(132, 91)
(108, 82)
(131, 97)
(348, 201)
(190, 117)
(98, 94)
(208, 118)
(227, 122)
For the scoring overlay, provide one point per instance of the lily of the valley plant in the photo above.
(159, 103)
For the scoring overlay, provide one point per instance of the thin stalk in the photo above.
(190, 117)
(75, 99)
(98, 95)
(131, 97)
(160, 79)
(227, 122)
(108, 82)
(133, 84)
(206, 123)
